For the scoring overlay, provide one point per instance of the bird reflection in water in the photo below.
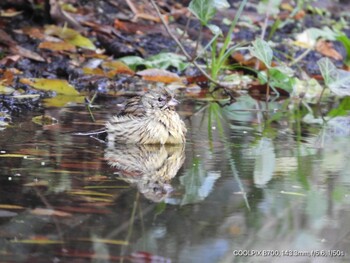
(149, 167)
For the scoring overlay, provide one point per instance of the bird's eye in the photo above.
(160, 99)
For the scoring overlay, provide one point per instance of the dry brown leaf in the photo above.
(94, 71)
(6, 39)
(9, 60)
(7, 77)
(9, 206)
(326, 48)
(34, 32)
(159, 75)
(57, 46)
(134, 28)
(26, 53)
(117, 67)
(251, 62)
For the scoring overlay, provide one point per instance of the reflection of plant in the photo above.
(214, 114)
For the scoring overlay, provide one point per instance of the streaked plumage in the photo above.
(148, 119)
(149, 167)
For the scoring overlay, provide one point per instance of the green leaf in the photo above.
(204, 10)
(262, 51)
(57, 85)
(337, 80)
(215, 29)
(165, 60)
(132, 61)
(342, 109)
(328, 70)
(270, 7)
(346, 43)
(280, 79)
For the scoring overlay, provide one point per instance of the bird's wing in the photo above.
(133, 108)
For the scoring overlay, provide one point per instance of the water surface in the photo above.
(249, 180)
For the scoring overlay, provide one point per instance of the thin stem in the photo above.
(232, 27)
(199, 40)
(183, 50)
(304, 54)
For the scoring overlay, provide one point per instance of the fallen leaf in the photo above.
(326, 48)
(9, 60)
(10, 13)
(197, 79)
(58, 85)
(6, 90)
(117, 67)
(71, 36)
(57, 46)
(6, 38)
(250, 62)
(106, 29)
(26, 53)
(37, 240)
(6, 206)
(133, 28)
(13, 155)
(8, 76)
(159, 75)
(44, 120)
(94, 71)
(49, 212)
(34, 32)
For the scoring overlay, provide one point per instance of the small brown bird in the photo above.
(148, 119)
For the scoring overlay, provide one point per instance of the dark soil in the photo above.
(141, 38)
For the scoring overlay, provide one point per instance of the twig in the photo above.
(304, 54)
(183, 50)
(132, 7)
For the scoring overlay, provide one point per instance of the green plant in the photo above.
(205, 10)
(337, 80)
(280, 76)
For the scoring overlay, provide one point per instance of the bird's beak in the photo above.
(173, 102)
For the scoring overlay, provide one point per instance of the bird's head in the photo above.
(160, 98)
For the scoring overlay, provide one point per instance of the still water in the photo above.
(243, 189)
